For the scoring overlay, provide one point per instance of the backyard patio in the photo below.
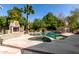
(21, 45)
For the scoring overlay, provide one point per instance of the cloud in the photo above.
(1, 7)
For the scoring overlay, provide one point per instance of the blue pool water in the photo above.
(50, 34)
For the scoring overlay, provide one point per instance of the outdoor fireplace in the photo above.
(14, 26)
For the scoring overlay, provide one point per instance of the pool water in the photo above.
(54, 35)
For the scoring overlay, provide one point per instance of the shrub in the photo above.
(31, 30)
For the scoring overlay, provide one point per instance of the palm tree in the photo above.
(28, 10)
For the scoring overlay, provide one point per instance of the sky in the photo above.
(42, 9)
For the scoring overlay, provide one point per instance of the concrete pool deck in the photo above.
(9, 50)
(67, 34)
(14, 45)
(21, 41)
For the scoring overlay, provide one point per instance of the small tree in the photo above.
(22, 21)
(38, 24)
(51, 21)
(3, 23)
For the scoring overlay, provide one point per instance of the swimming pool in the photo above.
(40, 38)
(54, 35)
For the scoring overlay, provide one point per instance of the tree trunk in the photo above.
(26, 26)
(0, 30)
(4, 30)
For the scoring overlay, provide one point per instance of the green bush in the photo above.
(31, 30)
